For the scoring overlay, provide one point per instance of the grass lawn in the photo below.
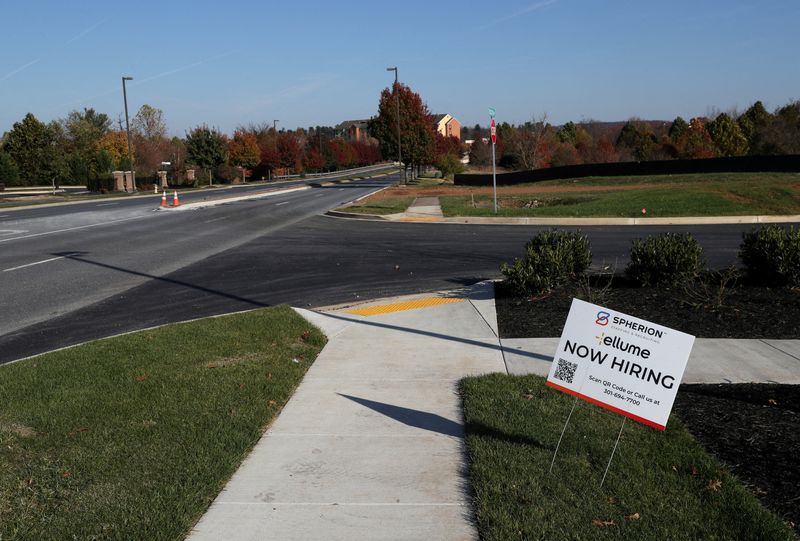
(677, 195)
(132, 437)
(380, 206)
(661, 485)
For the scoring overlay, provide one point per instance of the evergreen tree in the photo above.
(727, 136)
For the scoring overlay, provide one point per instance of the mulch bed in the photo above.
(753, 428)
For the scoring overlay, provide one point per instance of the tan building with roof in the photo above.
(447, 125)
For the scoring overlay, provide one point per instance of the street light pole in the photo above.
(274, 123)
(128, 129)
(399, 147)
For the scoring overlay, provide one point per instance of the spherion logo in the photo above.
(602, 318)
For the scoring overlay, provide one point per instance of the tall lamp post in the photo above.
(399, 148)
(274, 124)
(128, 129)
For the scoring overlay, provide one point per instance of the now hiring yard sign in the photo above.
(619, 362)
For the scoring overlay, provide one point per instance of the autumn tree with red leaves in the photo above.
(416, 126)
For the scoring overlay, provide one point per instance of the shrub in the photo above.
(552, 258)
(101, 183)
(668, 259)
(771, 256)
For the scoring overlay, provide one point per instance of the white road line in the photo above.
(318, 195)
(5, 216)
(12, 231)
(107, 204)
(216, 219)
(340, 189)
(36, 263)
(71, 229)
(284, 203)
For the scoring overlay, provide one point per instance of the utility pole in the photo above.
(399, 146)
(128, 129)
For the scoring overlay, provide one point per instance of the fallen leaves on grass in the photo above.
(602, 522)
(305, 335)
(141, 377)
(634, 516)
(714, 485)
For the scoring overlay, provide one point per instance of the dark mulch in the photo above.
(753, 428)
(745, 312)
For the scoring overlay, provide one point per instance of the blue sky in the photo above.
(318, 63)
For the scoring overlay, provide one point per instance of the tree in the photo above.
(449, 165)
(568, 133)
(753, 122)
(270, 159)
(564, 154)
(782, 134)
(416, 126)
(86, 128)
(28, 143)
(149, 123)
(243, 151)
(727, 136)
(206, 148)
(638, 139)
(480, 153)
(289, 150)
(677, 129)
(115, 142)
(529, 145)
(314, 161)
(9, 175)
(697, 142)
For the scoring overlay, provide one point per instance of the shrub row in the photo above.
(771, 257)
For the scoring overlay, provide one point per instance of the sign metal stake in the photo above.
(575, 403)
(613, 451)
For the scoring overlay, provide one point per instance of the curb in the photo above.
(565, 221)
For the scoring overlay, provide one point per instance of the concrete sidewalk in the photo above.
(371, 444)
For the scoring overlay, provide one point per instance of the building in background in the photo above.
(354, 130)
(447, 125)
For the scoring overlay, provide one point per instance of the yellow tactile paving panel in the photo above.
(401, 306)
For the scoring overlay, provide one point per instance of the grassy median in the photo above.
(661, 485)
(132, 437)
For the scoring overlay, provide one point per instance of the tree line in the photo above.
(85, 147)
(538, 144)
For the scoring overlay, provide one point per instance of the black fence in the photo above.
(739, 164)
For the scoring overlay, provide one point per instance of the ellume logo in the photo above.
(602, 318)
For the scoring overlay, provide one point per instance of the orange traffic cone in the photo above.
(175, 201)
(164, 198)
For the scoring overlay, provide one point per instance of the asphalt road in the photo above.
(132, 268)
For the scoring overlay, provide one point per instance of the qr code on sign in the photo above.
(565, 371)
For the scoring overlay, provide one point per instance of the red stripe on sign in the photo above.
(606, 406)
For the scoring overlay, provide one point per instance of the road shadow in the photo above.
(78, 256)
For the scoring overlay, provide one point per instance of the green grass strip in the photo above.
(389, 205)
(661, 485)
(133, 437)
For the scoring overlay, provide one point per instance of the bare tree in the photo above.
(528, 143)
